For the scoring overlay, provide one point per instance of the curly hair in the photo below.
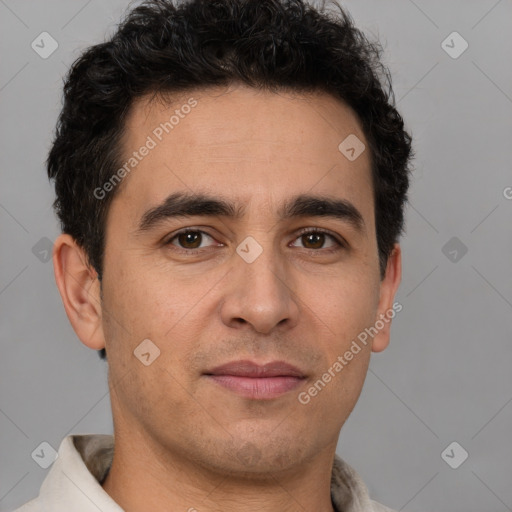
(163, 47)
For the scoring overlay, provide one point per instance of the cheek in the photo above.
(345, 305)
(139, 297)
(147, 303)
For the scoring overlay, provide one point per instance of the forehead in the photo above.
(248, 144)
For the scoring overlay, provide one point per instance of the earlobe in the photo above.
(80, 291)
(388, 288)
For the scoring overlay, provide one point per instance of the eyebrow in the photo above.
(182, 204)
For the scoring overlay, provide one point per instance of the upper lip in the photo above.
(246, 368)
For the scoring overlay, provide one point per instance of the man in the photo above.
(230, 179)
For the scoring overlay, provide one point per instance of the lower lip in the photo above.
(258, 388)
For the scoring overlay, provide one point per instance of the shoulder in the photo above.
(377, 507)
(31, 506)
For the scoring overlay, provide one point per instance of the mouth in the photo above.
(257, 382)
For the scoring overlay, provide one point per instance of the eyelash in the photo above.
(341, 244)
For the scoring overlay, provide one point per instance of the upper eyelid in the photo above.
(186, 230)
(337, 238)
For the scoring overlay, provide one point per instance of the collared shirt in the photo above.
(73, 483)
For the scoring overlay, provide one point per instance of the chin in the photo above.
(253, 458)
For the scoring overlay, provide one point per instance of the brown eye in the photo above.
(188, 240)
(315, 239)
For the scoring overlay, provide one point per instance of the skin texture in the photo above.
(182, 441)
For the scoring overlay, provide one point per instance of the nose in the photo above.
(260, 293)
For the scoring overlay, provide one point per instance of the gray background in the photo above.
(446, 375)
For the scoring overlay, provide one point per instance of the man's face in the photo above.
(303, 299)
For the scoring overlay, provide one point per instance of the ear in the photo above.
(388, 287)
(80, 291)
